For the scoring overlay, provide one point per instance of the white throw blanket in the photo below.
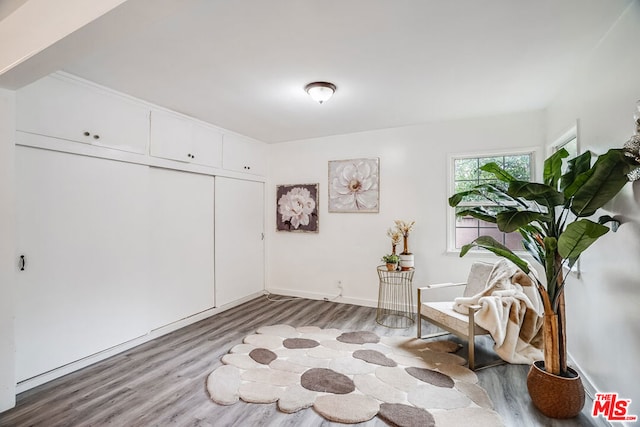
(511, 310)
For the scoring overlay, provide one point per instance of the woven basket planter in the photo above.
(553, 395)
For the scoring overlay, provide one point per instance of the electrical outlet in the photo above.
(340, 284)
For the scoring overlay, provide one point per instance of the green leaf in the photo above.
(576, 167)
(511, 220)
(540, 193)
(492, 245)
(608, 176)
(578, 236)
(553, 167)
(478, 213)
(458, 197)
(498, 172)
(605, 219)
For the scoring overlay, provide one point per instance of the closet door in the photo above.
(82, 226)
(239, 213)
(181, 267)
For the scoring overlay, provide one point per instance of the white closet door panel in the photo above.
(181, 245)
(239, 210)
(82, 224)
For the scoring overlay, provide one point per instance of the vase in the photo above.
(406, 261)
(392, 266)
(555, 396)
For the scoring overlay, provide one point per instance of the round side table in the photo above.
(395, 298)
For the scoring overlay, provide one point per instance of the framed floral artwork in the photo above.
(354, 185)
(297, 207)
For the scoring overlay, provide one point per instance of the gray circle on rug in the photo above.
(431, 377)
(374, 357)
(327, 381)
(359, 337)
(300, 343)
(400, 415)
(263, 356)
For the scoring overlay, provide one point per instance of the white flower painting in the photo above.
(297, 207)
(354, 185)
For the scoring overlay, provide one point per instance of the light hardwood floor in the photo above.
(162, 382)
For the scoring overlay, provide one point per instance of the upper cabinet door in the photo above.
(207, 145)
(59, 107)
(242, 155)
(178, 138)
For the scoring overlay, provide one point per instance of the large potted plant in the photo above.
(552, 218)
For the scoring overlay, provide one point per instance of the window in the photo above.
(466, 175)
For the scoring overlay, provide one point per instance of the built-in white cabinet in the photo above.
(243, 155)
(181, 245)
(82, 225)
(60, 107)
(239, 240)
(175, 137)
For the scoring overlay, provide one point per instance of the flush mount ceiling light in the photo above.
(320, 91)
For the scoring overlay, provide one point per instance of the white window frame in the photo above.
(534, 152)
(572, 133)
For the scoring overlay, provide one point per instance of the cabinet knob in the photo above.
(87, 133)
(96, 136)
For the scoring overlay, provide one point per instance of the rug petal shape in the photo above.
(351, 366)
(444, 346)
(284, 331)
(396, 377)
(374, 357)
(309, 362)
(372, 386)
(418, 362)
(270, 342)
(382, 348)
(440, 357)
(295, 398)
(242, 348)
(259, 393)
(405, 415)
(458, 373)
(327, 381)
(223, 384)
(431, 397)
(358, 337)
(263, 356)
(432, 377)
(476, 393)
(285, 365)
(271, 376)
(326, 353)
(296, 343)
(242, 361)
(349, 409)
(460, 418)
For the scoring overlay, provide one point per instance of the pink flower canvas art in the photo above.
(354, 185)
(297, 207)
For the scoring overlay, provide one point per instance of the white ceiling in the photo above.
(243, 64)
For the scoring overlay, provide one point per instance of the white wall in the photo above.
(603, 306)
(7, 250)
(413, 186)
(37, 24)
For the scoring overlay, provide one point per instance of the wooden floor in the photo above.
(162, 382)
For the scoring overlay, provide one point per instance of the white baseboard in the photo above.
(153, 334)
(320, 296)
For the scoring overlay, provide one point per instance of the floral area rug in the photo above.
(351, 377)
